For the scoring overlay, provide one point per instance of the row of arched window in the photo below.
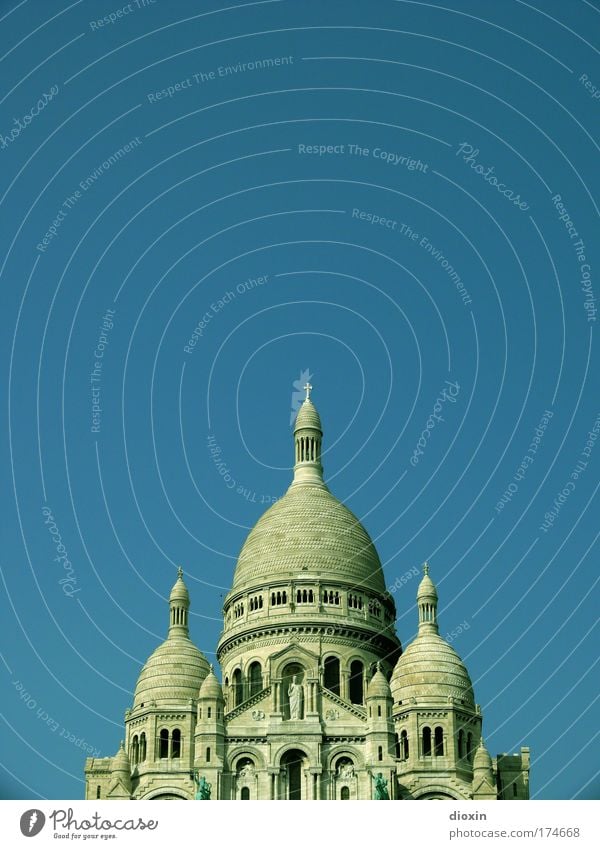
(138, 749)
(374, 608)
(304, 596)
(310, 596)
(169, 745)
(432, 743)
(307, 448)
(280, 597)
(178, 616)
(240, 688)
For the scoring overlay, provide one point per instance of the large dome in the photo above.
(430, 668)
(309, 530)
(174, 672)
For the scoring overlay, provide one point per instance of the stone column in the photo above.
(345, 685)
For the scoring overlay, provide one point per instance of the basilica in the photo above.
(318, 699)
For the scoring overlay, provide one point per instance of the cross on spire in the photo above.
(308, 387)
(179, 572)
(426, 568)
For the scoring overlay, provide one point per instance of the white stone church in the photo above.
(318, 700)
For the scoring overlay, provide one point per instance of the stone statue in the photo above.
(203, 787)
(295, 697)
(381, 791)
(346, 771)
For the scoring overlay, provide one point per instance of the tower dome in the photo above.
(430, 669)
(308, 530)
(175, 670)
(378, 687)
(211, 689)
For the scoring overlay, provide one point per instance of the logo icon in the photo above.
(32, 822)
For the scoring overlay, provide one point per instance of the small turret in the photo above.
(427, 601)
(120, 775)
(308, 436)
(179, 605)
(484, 785)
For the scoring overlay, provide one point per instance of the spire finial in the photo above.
(308, 388)
(179, 572)
(426, 568)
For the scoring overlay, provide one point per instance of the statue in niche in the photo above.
(295, 696)
(346, 771)
(247, 772)
(203, 787)
(381, 791)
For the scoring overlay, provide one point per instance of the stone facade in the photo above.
(318, 701)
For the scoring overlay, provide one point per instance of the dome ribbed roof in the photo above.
(482, 759)
(378, 686)
(308, 417)
(211, 689)
(120, 762)
(179, 591)
(427, 588)
(309, 529)
(174, 672)
(431, 668)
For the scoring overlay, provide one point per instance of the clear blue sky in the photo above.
(154, 163)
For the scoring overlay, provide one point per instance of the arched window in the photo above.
(176, 743)
(284, 597)
(469, 747)
(238, 693)
(345, 794)
(378, 710)
(404, 746)
(98, 791)
(357, 672)
(208, 754)
(163, 743)
(439, 740)
(245, 794)
(255, 678)
(135, 750)
(461, 744)
(209, 713)
(379, 753)
(331, 678)
(427, 742)
(143, 746)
